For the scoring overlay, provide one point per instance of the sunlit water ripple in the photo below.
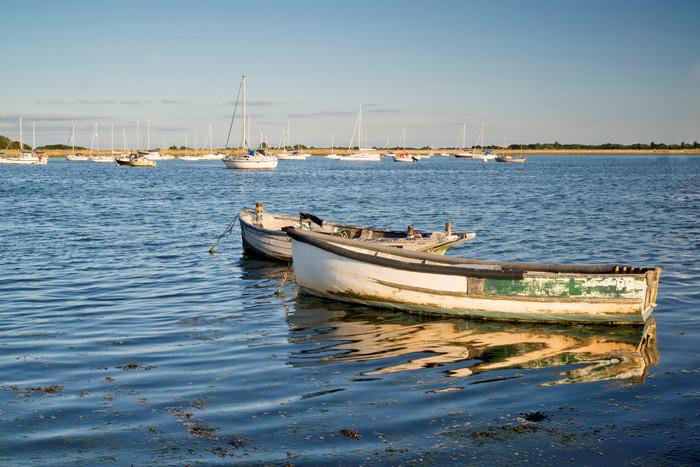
(123, 340)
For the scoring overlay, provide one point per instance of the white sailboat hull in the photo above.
(291, 157)
(361, 157)
(24, 160)
(250, 162)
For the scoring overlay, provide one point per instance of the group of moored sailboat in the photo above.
(33, 157)
(248, 157)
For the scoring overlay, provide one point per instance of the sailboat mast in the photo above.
(21, 136)
(244, 114)
(34, 137)
(137, 133)
(148, 133)
(359, 128)
(73, 136)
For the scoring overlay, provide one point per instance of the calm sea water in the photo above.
(122, 340)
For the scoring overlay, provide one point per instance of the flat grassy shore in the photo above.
(324, 151)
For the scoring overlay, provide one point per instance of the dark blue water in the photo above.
(122, 340)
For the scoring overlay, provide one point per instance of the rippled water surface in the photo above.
(122, 340)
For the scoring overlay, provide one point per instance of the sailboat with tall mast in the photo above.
(474, 154)
(187, 157)
(404, 156)
(363, 154)
(255, 158)
(25, 157)
(75, 156)
(332, 155)
(290, 156)
(139, 159)
(148, 154)
(211, 155)
(464, 154)
(99, 157)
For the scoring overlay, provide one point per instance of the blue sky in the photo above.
(570, 71)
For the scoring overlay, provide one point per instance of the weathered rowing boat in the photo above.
(263, 233)
(347, 270)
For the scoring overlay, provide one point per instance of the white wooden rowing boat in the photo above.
(347, 270)
(263, 233)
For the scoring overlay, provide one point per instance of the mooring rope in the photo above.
(228, 230)
(284, 278)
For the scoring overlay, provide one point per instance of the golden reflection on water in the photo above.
(347, 333)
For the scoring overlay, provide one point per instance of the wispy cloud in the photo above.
(172, 101)
(9, 117)
(384, 111)
(324, 113)
(252, 103)
(79, 101)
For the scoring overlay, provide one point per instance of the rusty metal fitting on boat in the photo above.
(258, 211)
(410, 232)
(448, 228)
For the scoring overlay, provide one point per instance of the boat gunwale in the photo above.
(293, 219)
(508, 271)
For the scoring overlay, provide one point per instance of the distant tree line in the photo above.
(6, 144)
(638, 146)
(56, 147)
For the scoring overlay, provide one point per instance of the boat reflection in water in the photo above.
(256, 268)
(328, 332)
(346, 333)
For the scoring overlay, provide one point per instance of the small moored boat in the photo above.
(373, 275)
(263, 233)
(135, 160)
(507, 158)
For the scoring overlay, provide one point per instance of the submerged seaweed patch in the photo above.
(55, 388)
(136, 366)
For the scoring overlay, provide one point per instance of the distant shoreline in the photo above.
(324, 151)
